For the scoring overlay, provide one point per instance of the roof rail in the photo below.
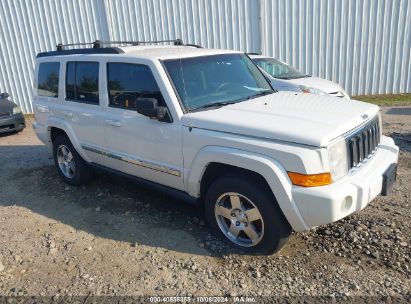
(104, 50)
(255, 53)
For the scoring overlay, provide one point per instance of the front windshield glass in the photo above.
(216, 80)
(278, 69)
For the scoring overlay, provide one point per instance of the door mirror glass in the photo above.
(4, 95)
(149, 107)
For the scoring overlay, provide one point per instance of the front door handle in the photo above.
(43, 109)
(114, 123)
(68, 114)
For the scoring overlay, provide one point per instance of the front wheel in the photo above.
(245, 214)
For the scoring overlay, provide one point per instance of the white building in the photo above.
(365, 45)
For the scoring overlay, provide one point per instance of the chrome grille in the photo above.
(363, 143)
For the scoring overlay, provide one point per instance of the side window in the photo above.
(48, 79)
(82, 82)
(126, 82)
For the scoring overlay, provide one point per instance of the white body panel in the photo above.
(294, 117)
(326, 204)
(268, 135)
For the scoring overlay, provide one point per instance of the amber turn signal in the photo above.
(310, 180)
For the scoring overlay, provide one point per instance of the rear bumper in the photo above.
(12, 123)
(327, 204)
(41, 132)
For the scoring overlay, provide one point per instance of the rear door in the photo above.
(81, 106)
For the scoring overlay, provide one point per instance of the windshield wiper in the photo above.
(225, 103)
(214, 105)
(263, 93)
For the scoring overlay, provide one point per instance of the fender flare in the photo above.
(68, 129)
(270, 169)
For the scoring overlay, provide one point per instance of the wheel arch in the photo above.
(57, 127)
(212, 159)
(214, 169)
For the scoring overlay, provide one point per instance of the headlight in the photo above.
(337, 155)
(380, 122)
(312, 90)
(345, 95)
(16, 110)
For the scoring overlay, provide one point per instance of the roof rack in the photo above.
(174, 41)
(99, 47)
(100, 44)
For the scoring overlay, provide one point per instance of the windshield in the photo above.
(216, 80)
(278, 69)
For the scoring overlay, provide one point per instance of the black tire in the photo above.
(276, 229)
(82, 173)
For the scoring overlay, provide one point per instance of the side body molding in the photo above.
(66, 127)
(268, 168)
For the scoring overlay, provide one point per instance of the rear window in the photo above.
(48, 79)
(82, 82)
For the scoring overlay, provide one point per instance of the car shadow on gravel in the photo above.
(399, 111)
(109, 207)
(403, 140)
(6, 134)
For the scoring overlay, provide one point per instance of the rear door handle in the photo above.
(114, 123)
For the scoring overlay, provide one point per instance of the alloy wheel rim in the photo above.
(65, 161)
(239, 219)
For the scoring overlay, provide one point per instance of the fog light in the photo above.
(346, 204)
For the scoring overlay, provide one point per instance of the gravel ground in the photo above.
(117, 239)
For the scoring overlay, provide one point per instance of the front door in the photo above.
(135, 144)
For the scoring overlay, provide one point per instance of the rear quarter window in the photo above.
(48, 79)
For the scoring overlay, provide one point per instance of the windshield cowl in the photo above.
(291, 77)
(225, 103)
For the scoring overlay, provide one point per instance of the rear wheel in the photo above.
(71, 167)
(245, 214)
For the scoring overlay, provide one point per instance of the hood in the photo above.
(286, 116)
(6, 105)
(318, 83)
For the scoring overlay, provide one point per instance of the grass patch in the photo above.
(386, 100)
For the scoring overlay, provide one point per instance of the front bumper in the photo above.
(327, 204)
(12, 123)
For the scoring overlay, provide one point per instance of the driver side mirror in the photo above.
(4, 95)
(149, 107)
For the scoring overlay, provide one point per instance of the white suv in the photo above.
(205, 126)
